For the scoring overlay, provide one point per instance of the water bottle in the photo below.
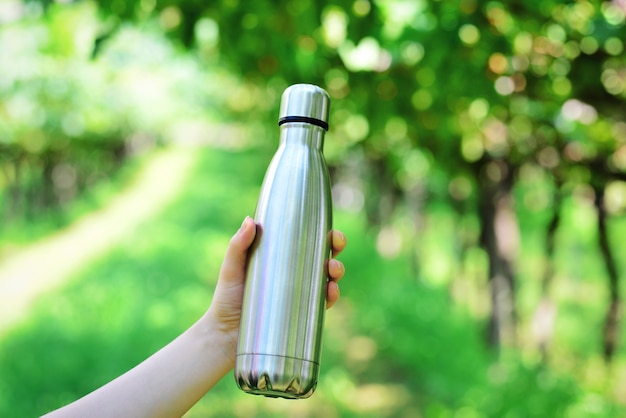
(280, 336)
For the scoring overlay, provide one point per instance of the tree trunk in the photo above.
(380, 210)
(613, 314)
(47, 184)
(16, 190)
(500, 238)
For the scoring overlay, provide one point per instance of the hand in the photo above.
(228, 297)
(170, 381)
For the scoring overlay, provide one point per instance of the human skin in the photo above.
(171, 381)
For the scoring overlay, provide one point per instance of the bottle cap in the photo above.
(305, 103)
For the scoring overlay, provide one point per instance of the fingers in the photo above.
(332, 294)
(234, 265)
(338, 242)
(336, 270)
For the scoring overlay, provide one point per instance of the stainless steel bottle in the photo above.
(279, 347)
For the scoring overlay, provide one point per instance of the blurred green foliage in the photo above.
(69, 118)
(438, 110)
(394, 346)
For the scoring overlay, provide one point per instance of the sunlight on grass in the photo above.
(45, 265)
(395, 345)
(93, 279)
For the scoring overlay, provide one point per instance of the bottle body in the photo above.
(279, 346)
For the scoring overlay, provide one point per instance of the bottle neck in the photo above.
(302, 133)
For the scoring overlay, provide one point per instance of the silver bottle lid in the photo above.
(305, 103)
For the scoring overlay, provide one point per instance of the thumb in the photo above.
(233, 268)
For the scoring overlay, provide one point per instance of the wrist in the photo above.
(218, 339)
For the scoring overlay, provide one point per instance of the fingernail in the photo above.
(244, 224)
(337, 265)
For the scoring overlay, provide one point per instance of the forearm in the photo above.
(166, 384)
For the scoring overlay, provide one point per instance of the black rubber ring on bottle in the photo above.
(312, 121)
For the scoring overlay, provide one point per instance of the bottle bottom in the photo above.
(276, 376)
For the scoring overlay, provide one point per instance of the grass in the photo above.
(396, 344)
(21, 230)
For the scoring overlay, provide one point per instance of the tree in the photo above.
(425, 93)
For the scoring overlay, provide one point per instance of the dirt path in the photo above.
(47, 264)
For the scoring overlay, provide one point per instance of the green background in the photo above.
(478, 157)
